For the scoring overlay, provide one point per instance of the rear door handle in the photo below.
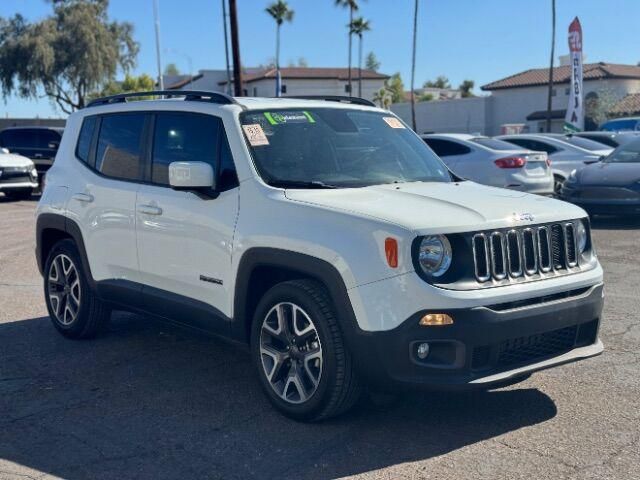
(149, 210)
(83, 197)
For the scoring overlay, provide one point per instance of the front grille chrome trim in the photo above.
(522, 252)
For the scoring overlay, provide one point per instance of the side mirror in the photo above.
(4, 150)
(191, 176)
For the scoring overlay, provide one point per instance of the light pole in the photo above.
(226, 44)
(157, 24)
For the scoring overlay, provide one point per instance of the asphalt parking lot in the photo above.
(148, 400)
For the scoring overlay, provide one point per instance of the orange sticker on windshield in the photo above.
(393, 122)
(255, 135)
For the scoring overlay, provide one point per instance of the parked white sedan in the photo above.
(493, 162)
(18, 175)
(566, 153)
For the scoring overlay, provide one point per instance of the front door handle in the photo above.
(149, 210)
(83, 197)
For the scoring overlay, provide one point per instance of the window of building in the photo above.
(118, 154)
(346, 88)
(283, 88)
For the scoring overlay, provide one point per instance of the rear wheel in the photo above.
(73, 308)
(304, 367)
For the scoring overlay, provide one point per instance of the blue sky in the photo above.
(482, 40)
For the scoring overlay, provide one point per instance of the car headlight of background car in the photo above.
(434, 255)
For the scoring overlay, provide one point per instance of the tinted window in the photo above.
(603, 139)
(49, 139)
(183, 137)
(492, 143)
(119, 146)
(228, 177)
(629, 153)
(535, 145)
(444, 148)
(84, 139)
(19, 138)
(584, 143)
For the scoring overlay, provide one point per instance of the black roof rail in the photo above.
(189, 95)
(335, 98)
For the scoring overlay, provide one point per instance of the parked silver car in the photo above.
(564, 152)
(493, 162)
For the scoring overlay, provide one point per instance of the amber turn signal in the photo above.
(436, 320)
(391, 250)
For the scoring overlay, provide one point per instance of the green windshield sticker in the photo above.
(279, 118)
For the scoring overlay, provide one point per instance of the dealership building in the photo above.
(519, 102)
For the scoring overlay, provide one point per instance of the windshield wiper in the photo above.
(300, 184)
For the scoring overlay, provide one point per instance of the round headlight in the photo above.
(581, 236)
(434, 255)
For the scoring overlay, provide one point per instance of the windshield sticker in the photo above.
(393, 122)
(278, 118)
(255, 135)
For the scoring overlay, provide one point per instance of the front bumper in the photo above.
(485, 345)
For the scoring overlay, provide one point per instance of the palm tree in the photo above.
(352, 5)
(280, 12)
(358, 27)
(413, 66)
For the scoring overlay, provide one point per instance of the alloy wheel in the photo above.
(291, 352)
(64, 289)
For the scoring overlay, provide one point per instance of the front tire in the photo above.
(298, 349)
(74, 309)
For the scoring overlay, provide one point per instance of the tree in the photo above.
(171, 69)
(352, 5)
(280, 12)
(465, 88)
(396, 88)
(68, 55)
(357, 27)
(141, 83)
(371, 62)
(383, 97)
(440, 82)
(425, 97)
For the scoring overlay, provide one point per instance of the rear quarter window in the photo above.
(85, 137)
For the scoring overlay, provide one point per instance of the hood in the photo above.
(442, 207)
(612, 174)
(13, 160)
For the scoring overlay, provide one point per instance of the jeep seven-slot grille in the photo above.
(520, 252)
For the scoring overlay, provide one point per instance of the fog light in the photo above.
(423, 351)
(436, 319)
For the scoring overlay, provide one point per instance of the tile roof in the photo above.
(184, 81)
(562, 74)
(311, 73)
(629, 105)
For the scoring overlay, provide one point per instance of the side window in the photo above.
(183, 137)
(228, 177)
(445, 148)
(542, 147)
(119, 148)
(84, 139)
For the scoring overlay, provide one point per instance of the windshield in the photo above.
(493, 143)
(337, 147)
(629, 153)
(585, 143)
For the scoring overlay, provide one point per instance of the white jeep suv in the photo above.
(324, 234)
